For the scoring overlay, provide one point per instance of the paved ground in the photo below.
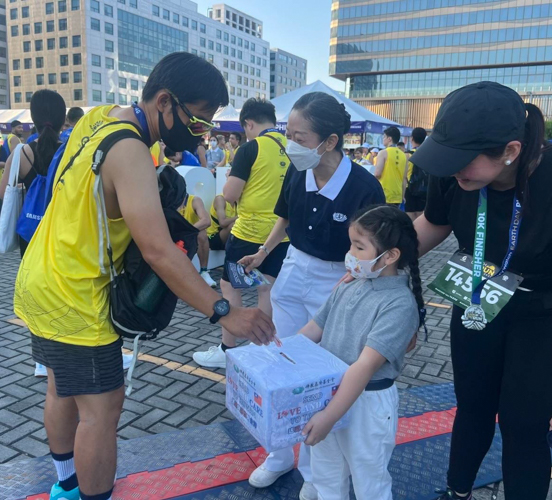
(170, 391)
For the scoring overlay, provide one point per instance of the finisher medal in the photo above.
(474, 318)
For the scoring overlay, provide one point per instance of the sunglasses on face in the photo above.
(197, 126)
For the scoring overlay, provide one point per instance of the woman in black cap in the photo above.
(491, 186)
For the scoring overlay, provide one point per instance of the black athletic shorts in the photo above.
(237, 249)
(414, 203)
(215, 243)
(81, 370)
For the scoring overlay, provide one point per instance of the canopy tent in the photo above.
(23, 115)
(228, 120)
(362, 119)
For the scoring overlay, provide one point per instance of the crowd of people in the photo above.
(338, 239)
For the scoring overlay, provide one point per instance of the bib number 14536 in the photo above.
(454, 283)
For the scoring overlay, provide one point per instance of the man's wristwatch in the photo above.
(264, 249)
(221, 308)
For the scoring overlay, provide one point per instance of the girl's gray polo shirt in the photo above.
(379, 313)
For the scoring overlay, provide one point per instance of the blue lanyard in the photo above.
(479, 244)
(141, 117)
(268, 131)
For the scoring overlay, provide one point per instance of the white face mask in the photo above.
(302, 157)
(213, 144)
(363, 268)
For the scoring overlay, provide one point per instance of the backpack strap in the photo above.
(282, 149)
(98, 160)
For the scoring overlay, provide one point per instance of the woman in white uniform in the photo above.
(322, 191)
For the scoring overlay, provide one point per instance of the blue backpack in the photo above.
(39, 195)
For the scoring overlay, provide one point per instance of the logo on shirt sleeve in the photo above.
(339, 217)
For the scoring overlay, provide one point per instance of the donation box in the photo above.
(274, 391)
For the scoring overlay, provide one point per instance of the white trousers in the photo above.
(302, 287)
(362, 450)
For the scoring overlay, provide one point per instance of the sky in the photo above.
(301, 27)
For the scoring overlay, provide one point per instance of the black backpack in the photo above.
(419, 182)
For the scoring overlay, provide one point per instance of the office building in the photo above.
(400, 58)
(287, 72)
(236, 19)
(101, 51)
(4, 83)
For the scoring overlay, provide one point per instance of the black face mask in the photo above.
(179, 137)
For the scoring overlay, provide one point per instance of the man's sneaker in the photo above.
(127, 361)
(213, 358)
(263, 478)
(308, 492)
(58, 493)
(451, 495)
(207, 278)
(40, 370)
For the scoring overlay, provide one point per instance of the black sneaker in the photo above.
(449, 494)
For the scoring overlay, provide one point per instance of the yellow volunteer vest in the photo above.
(155, 152)
(261, 191)
(61, 292)
(215, 228)
(187, 211)
(393, 173)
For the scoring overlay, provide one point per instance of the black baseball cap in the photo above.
(472, 119)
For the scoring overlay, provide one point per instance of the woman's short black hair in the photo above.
(258, 110)
(326, 115)
(190, 78)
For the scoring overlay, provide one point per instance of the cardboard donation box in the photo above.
(274, 391)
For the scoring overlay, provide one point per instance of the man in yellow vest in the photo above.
(193, 210)
(233, 145)
(62, 289)
(223, 216)
(390, 167)
(255, 182)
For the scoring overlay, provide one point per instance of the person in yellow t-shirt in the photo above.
(390, 167)
(223, 216)
(233, 145)
(62, 289)
(193, 210)
(254, 183)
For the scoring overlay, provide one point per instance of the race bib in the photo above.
(454, 283)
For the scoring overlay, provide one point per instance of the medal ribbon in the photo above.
(478, 282)
(268, 131)
(141, 117)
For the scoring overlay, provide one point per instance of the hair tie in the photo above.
(422, 313)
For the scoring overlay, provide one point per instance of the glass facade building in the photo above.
(398, 55)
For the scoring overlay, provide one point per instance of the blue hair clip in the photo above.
(423, 312)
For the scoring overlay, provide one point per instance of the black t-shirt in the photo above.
(244, 160)
(448, 204)
(319, 226)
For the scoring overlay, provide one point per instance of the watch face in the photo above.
(222, 308)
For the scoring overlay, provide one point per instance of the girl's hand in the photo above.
(317, 428)
(346, 279)
(250, 262)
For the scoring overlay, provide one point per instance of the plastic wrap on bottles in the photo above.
(274, 391)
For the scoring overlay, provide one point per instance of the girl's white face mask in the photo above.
(363, 268)
(213, 144)
(302, 157)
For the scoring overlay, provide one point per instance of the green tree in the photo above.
(548, 130)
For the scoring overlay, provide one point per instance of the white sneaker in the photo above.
(207, 278)
(308, 492)
(40, 370)
(263, 478)
(213, 358)
(127, 361)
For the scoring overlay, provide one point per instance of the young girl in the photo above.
(368, 323)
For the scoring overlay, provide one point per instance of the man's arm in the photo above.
(201, 155)
(14, 141)
(204, 219)
(130, 184)
(233, 189)
(220, 208)
(241, 170)
(380, 163)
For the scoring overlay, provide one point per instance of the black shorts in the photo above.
(215, 243)
(237, 249)
(81, 370)
(414, 203)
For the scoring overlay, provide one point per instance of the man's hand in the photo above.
(317, 428)
(249, 323)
